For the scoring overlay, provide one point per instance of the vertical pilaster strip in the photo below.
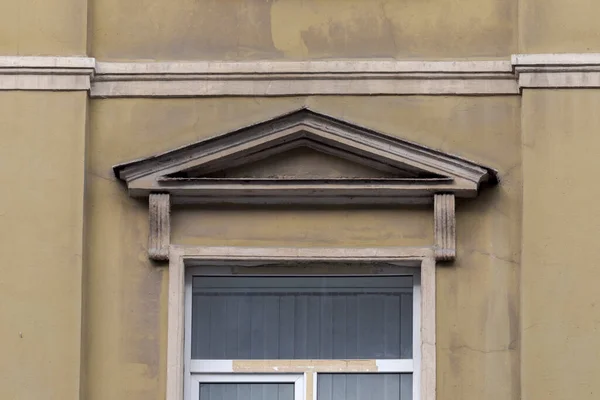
(445, 227)
(43, 313)
(159, 237)
(428, 334)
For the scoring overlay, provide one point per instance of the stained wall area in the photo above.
(311, 29)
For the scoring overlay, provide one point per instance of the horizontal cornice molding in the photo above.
(557, 70)
(46, 73)
(289, 78)
(285, 78)
(303, 67)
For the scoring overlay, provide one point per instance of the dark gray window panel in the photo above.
(246, 391)
(302, 317)
(364, 386)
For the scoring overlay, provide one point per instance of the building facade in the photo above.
(148, 142)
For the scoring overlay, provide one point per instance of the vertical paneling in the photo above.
(364, 387)
(246, 391)
(300, 323)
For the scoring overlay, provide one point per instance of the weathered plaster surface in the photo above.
(561, 219)
(558, 26)
(41, 242)
(477, 297)
(49, 27)
(291, 29)
(323, 227)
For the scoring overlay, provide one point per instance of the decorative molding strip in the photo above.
(557, 70)
(302, 67)
(159, 237)
(444, 227)
(46, 73)
(281, 78)
(211, 256)
(297, 78)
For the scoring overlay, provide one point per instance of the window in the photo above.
(296, 333)
(248, 386)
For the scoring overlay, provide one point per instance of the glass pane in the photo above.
(246, 391)
(275, 317)
(364, 386)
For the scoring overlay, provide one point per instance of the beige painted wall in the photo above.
(477, 296)
(48, 27)
(489, 309)
(559, 26)
(310, 29)
(561, 226)
(307, 227)
(41, 214)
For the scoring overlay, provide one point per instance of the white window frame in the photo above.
(182, 259)
(195, 369)
(297, 379)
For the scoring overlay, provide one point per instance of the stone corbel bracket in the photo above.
(159, 237)
(444, 227)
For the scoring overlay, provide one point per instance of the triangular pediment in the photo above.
(300, 154)
(301, 163)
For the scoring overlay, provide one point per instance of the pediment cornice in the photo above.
(417, 172)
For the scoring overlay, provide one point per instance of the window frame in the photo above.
(195, 369)
(183, 257)
(297, 379)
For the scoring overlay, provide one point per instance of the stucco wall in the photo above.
(49, 27)
(291, 29)
(477, 296)
(561, 225)
(41, 214)
(302, 227)
(558, 26)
